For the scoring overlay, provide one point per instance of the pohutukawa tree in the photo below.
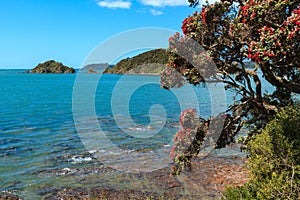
(231, 34)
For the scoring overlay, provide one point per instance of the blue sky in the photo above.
(33, 31)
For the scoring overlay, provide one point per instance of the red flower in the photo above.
(184, 30)
(203, 15)
(297, 11)
(183, 27)
(253, 15)
(172, 153)
(255, 56)
(244, 8)
(278, 43)
(181, 119)
(291, 35)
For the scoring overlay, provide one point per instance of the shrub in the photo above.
(274, 160)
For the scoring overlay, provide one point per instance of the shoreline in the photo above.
(209, 177)
(142, 74)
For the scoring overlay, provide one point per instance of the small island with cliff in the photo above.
(52, 67)
(148, 63)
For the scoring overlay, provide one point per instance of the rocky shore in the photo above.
(209, 177)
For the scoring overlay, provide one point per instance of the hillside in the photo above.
(95, 67)
(150, 62)
(52, 67)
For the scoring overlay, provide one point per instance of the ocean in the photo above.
(57, 130)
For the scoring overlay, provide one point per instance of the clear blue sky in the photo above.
(33, 31)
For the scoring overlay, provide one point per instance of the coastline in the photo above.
(142, 74)
(210, 176)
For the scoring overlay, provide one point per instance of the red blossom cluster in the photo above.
(203, 15)
(191, 23)
(189, 140)
(187, 24)
(190, 61)
(199, 19)
(276, 43)
(183, 139)
(247, 13)
(293, 24)
(188, 119)
(174, 37)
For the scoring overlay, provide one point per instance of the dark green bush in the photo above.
(274, 160)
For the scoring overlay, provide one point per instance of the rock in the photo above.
(52, 67)
(9, 197)
(209, 177)
(92, 71)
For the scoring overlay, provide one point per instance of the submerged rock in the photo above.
(52, 67)
(9, 197)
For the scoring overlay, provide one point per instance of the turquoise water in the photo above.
(46, 118)
(38, 136)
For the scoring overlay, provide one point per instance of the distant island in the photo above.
(52, 67)
(150, 62)
(95, 68)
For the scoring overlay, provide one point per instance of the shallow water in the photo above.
(43, 143)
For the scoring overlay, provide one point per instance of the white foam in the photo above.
(80, 159)
(92, 151)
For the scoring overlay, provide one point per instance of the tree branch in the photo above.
(278, 81)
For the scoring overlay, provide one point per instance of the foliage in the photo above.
(229, 34)
(188, 140)
(274, 160)
(52, 66)
(150, 62)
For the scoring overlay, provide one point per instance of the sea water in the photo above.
(40, 140)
